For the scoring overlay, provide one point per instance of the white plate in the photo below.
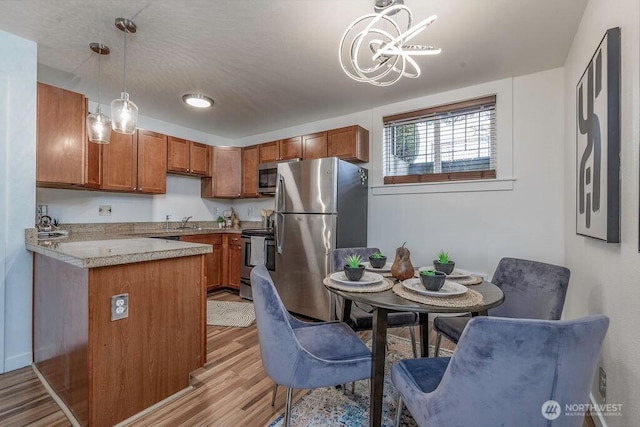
(367, 278)
(457, 273)
(448, 289)
(385, 269)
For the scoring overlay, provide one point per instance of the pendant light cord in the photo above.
(124, 65)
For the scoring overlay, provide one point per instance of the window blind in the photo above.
(444, 143)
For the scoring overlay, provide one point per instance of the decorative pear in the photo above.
(402, 268)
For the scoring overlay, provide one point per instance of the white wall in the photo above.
(17, 196)
(476, 227)
(605, 277)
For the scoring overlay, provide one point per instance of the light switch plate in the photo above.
(119, 307)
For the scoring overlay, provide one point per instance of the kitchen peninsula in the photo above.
(105, 366)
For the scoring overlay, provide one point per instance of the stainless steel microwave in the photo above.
(268, 176)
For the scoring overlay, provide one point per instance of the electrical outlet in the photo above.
(104, 210)
(602, 384)
(119, 307)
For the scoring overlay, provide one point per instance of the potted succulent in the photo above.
(432, 280)
(353, 268)
(377, 260)
(220, 222)
(444, 263)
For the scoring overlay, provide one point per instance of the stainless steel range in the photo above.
(267, 252)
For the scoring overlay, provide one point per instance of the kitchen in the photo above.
(496, 228)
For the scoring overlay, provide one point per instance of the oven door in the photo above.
(245, 267)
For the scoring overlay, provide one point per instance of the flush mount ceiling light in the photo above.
(197, 100)
(99, 125)
(374, 47)
(124, 113)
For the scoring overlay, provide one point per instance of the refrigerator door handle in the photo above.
(279, 228)
(279, 193)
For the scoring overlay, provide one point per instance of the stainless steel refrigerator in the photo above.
(320, 205)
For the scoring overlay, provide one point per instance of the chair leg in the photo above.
(412, 332)
(287, 407)
(353, 387)
(399, 411)
(436, 351)
(273, 397)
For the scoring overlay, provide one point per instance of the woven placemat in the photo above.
(468, 281)
(385, 285)
(468, 299)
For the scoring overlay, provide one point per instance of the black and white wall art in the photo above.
(598, 143)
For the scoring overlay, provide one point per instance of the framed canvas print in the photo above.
(598, 143)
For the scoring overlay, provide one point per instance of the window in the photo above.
(445, 143)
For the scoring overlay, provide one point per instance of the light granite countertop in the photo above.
(102, 253)
(104, 244)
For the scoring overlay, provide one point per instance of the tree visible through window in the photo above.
(445, 143)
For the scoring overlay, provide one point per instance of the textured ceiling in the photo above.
(270, 64)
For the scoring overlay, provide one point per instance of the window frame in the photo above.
(504, 181)
(432, 111)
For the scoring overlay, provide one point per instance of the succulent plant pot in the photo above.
(378, 262)
(446, 268)
(354, 273)
(435, 282)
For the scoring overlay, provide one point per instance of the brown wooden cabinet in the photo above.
(135, 163)
(350, 143)
(212, 261)
(226, 174)
(250, 158)
(187, 157)
(222, 266)
(269, 152)
(147, 356)
(314, 146)
(284, 149)
(64, 155)
(235, 249)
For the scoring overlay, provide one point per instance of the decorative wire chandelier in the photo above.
(124, 113)
(388, 57)
(98, 124)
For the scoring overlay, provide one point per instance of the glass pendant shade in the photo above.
(124, 115)
(99, 127)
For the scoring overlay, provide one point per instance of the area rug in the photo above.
(230, 313)
(333, 407)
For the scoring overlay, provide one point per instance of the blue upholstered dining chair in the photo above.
(361, 314)
(299, 354)
(532, 290)
(503, 372)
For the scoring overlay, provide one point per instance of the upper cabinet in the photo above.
(135, 163)
(314, 146)
(250, 158)
(188, 157)
(350, 143)
(285, 149)
(226, 174)
(64, 155)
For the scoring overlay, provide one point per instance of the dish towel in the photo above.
(257, 250)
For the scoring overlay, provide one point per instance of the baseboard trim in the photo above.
(16, 362)
(63, 407)
(155, 406)
(597, 417)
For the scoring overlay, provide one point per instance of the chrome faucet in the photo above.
(186, 219)
(166, 222)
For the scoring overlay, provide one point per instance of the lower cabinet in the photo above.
(222, 266)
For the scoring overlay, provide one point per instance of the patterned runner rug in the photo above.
(229, 313)
(333, 407)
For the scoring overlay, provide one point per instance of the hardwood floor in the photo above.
(231, 390)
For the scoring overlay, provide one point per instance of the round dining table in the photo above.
(387, 301)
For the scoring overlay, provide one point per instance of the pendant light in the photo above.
(98, 124)
(124, 113)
